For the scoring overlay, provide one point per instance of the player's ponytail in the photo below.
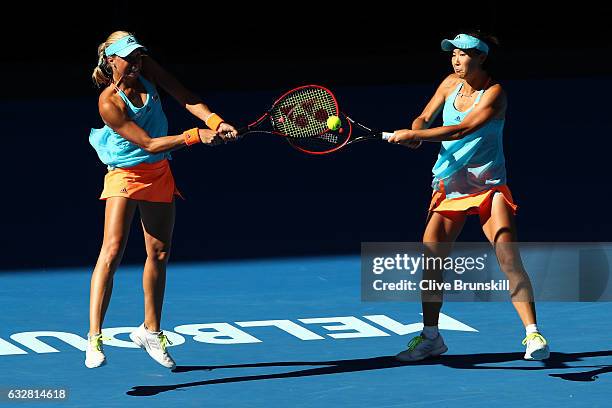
(102, 73)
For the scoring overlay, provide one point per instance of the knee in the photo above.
(508, 261)
(158, 253)
(507, 265)
(160, 256)
(110, 255)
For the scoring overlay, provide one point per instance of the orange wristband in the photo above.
(213, 121)
(191, 136)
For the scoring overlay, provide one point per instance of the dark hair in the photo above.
(489, 38)
(492, 41)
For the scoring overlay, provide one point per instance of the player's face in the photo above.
(130, 65)
(465, 62)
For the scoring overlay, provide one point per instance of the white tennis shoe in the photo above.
(155, 344)
(536, 347)
(94, 352)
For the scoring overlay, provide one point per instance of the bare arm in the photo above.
(432, 109)
(185, 98)
(115, 116)
(492, 104)
(435, 105)
(171, 85)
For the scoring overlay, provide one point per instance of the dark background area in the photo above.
(260, 198)
(253, 45)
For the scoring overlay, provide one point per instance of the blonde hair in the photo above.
(102, 74)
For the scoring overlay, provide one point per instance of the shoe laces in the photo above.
(533, 336)
(415, 342)
(163, 341)
(96, 341)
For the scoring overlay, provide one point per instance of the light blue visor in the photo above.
(465, 42)
(123, 47)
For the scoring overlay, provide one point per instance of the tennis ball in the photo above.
(333, 122)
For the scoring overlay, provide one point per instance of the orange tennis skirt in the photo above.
(479, 203)
(146, 182)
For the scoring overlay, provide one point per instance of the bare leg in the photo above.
(157, 224)
(441, 228)
(500, 230)
(117, 220)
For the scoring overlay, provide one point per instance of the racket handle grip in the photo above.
(387, 135)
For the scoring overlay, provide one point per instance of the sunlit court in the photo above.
(238, 205)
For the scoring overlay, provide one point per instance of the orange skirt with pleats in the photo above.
(478, 203)
(146, 182)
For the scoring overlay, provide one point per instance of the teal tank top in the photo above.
(115, 151)
(474, 163)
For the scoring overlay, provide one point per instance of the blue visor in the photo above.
(465, 42)
(123, 47)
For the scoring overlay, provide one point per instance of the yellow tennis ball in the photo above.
(333, 123)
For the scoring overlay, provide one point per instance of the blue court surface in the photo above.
(291, 333)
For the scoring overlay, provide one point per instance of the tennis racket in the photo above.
(300, 115)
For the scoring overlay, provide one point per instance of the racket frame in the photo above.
(251, 127)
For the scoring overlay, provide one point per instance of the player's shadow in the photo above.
(461, 361)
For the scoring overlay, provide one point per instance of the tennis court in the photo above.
(295, 334)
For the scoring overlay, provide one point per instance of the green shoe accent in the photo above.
(97, 340)
(164, 341)
(534, 336)
(415, 342)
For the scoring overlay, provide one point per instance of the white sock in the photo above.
(531, 328)
(430, 332)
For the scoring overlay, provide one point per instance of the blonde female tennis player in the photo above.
(135, 145)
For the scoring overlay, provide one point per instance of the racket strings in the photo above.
(304, 112)
(317, 144)
(323, 143)
(328, 137)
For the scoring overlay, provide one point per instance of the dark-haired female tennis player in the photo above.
(469, 178)
(135, 145)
